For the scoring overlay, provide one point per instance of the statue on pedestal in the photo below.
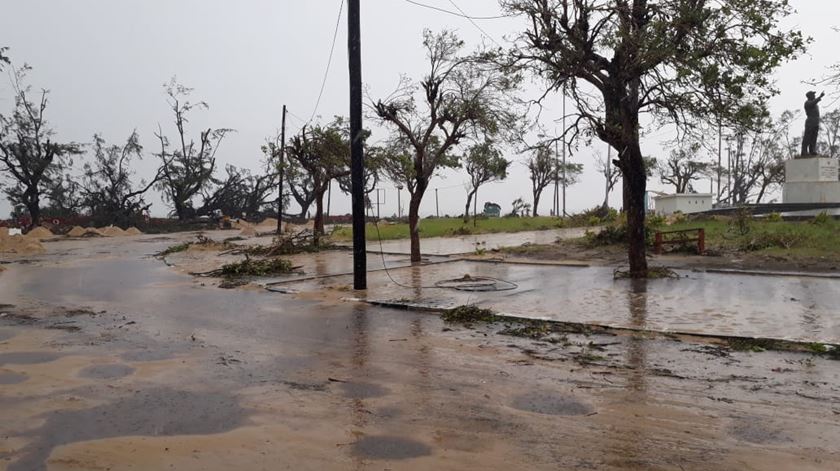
(812, 124)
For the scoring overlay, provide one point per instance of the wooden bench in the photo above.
(660, 239)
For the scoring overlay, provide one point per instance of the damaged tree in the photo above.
(682, 168)
(109, 188)
(188, 168)
(241, 192)
(28, 154)
(684, 62)
(322, 154)
(462, 98)
(484, 164)
(544, 168)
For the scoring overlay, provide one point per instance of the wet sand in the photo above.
(109, 359)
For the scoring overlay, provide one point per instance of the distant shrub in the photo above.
(774, 217)
(768, 240)
(822, 219)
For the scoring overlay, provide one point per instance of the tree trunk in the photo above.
(33, 205)
(467, 207)
(635, 184)
(537, 195)
(319, 218)
(414, 224)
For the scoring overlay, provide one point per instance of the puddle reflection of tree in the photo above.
(361, 369)
(634, 436)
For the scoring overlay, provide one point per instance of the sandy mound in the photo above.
(39, 233)
(248, 230)
(4, 231)
(21, 245)
(133, 231)
(77, 231)
(112, 231)
(270, 222)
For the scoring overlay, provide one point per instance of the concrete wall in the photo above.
(684, 203)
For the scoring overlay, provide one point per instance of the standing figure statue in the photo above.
(812, 124)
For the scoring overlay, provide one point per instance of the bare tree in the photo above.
(681, 61)
(4, 59)
(544, 168)
(188, 165)
(28, 154)
(109, 187)
(683, 167)
(830, 144)
(484, 163)
(460, 98)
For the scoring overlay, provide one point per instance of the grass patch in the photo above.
(443, 227)
(795, 238)
(468, 315)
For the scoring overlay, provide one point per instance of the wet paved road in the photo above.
(110, 360)
(790, 308)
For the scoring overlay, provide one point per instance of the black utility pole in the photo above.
(280, 169)
(357, 157)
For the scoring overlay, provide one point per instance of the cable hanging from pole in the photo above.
(329, 62)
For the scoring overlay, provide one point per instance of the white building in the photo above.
(685, 203)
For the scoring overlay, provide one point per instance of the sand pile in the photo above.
(269, 222)
(112, 231)
(4, 232)
(40, 233)
(133, 231)
(21, 245)
(248, 230)
(77, 231)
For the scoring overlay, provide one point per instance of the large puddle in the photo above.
(791, 308)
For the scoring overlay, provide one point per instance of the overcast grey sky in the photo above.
(104, 62)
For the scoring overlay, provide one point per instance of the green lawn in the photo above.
(805, 238)
(452, 227)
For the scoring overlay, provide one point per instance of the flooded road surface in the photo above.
(112, 360)
(790, 308)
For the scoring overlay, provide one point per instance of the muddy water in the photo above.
(717, 304)
(176, 375)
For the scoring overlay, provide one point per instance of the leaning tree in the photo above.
(484, 163)
(29, 156)
(461, 98)
(682, 62)
(187, 165)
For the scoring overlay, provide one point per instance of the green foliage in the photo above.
(822, 219)
(774, 217)
(616, 232)
(468, 315)
(255, 267)
(175, 249)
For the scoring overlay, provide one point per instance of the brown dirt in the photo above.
(133, 231)
(112, 231)
(248, 230)
(269, 222)
(21, 245)
(40, 233)
(77, 231)
(4, 231)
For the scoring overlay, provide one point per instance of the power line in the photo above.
(462, 15)
(474, 23)
(329, 62)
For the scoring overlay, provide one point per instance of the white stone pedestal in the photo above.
(814, 180)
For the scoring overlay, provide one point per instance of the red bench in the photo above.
(660, 239)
